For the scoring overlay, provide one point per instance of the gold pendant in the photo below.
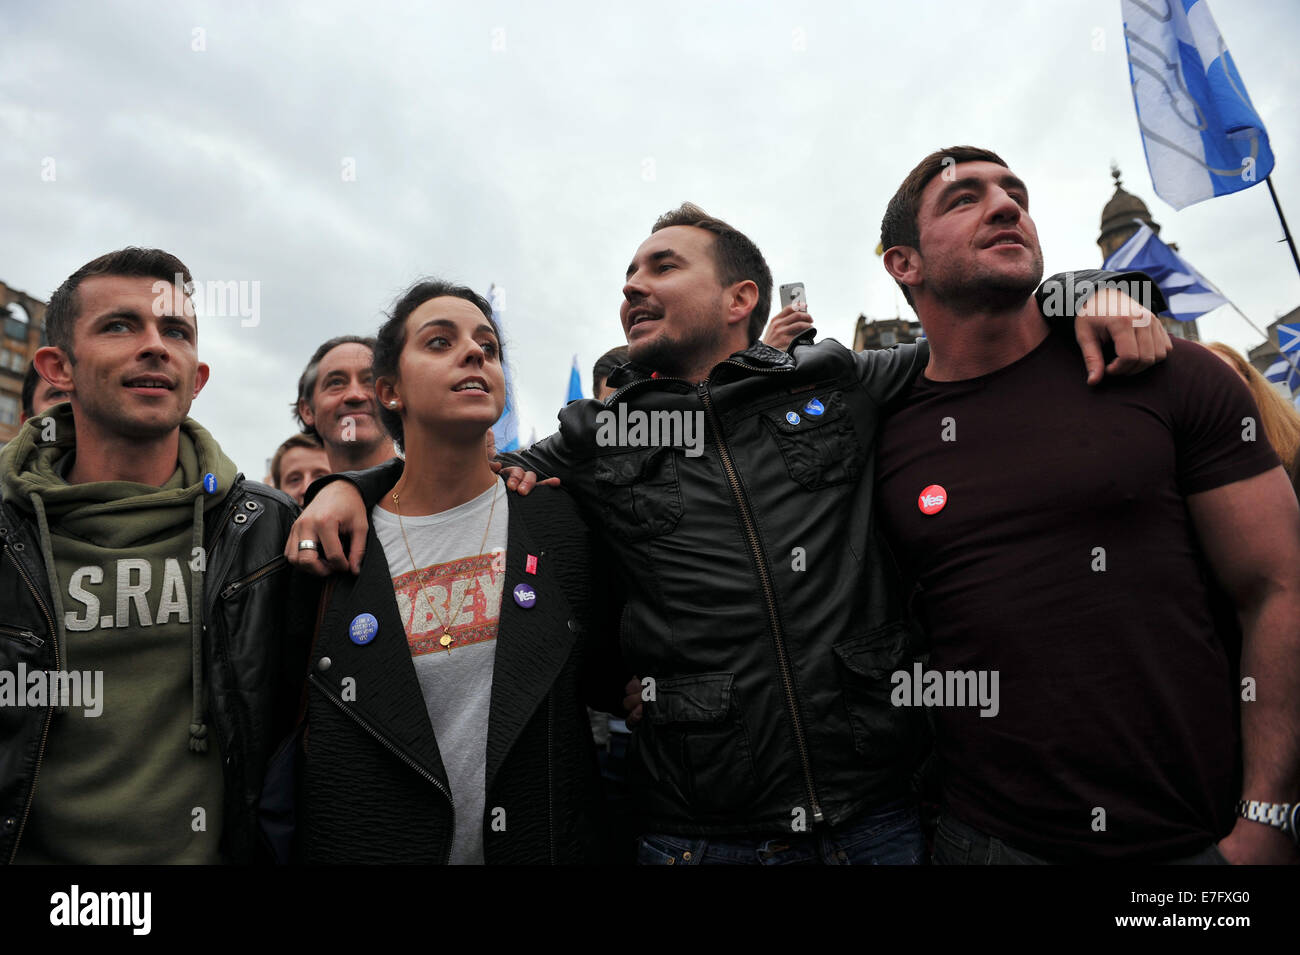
(446, 639)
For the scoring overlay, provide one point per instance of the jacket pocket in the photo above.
(639, 493)
(694, 738)
(882, 732)
(822, 450)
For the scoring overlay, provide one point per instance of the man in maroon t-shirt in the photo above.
(1066, 543)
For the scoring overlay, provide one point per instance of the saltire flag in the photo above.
(1283, 373)
(1288, 338)
(1189, 293)
(506, 431)
(575, 383)
(1201, 133)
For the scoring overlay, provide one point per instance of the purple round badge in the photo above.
(525, 596)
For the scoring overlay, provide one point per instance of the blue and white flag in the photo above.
(1201, 134)
(506, 431)
(575, 383)
(1189, 294)
(1288, 338)
(1283, 373)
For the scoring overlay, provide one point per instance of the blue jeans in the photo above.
(890, 835)
(956, 843)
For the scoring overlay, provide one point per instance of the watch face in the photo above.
(1293, 822)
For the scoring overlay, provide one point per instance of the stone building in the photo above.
(24, 332)
(884, 332)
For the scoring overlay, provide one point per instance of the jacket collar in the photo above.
(533, 644)
(757, 355)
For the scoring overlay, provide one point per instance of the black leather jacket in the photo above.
(374, 787)
(254, 654)
(761, 599)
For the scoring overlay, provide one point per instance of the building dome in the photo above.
(1117, 217)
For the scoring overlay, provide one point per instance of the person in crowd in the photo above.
(763, 617)
(298, 462)
(145, 595)
(445, 716)
(1278, 418)
(604, 367)
(1061, 541)
(336, 403)
(38, 394)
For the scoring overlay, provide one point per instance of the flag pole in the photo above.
(1285, 231)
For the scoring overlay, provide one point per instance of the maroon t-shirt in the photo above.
(1064, 558)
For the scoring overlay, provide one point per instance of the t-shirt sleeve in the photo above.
(1218, 432)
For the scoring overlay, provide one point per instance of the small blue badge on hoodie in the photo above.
(210, 483)
(363, 628)
(792, 417)
(814, 408)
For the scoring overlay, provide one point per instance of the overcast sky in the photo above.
(533, 145)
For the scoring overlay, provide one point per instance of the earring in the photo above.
(392, 404)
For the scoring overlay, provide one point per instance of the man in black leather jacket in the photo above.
(764, 614)
(147, 663)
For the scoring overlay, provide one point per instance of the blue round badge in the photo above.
(210, 483)
(525, 596)
(363, 628)
(792, 417)
(814, 408)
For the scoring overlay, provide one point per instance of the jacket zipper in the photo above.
(235, 586)
(774, 620)
(49, 710)
(26, 636)
(392, 748)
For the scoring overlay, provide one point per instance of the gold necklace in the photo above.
(446, 639)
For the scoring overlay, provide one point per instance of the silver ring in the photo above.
(306, 545)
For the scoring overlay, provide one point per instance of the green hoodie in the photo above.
(138, 782)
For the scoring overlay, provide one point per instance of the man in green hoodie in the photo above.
(146, 648)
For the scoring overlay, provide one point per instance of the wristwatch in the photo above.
(1279, 815)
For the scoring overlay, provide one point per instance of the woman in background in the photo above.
(1279, 419)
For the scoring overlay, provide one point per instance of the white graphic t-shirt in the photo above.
(453, 590)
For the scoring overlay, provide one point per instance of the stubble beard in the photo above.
(694, 347)
(975, 288)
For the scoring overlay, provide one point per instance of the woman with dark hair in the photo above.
(445, 717)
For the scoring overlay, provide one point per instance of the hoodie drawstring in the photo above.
(47, 552)
(198, 729)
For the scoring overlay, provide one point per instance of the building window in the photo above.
(9, 409)
(887, 339)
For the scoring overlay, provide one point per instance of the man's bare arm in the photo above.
(1250, 532)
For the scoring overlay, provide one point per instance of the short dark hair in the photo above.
(735, 256)
(605, 366)
(133, 261)
(391, 338)
(899, 226)
(307, 380)
(30, 381)
(296, 441)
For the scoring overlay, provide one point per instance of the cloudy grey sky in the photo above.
(533, 145)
